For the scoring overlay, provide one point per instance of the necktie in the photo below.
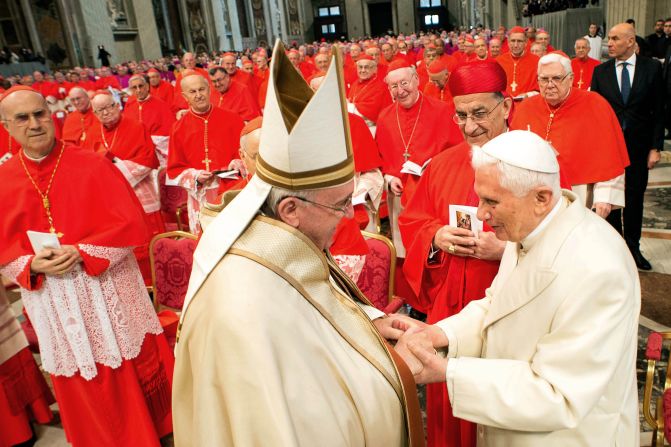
(625, 87)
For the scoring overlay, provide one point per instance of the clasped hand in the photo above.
(56, 261)
(486, 246)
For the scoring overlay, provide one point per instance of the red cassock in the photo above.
(46, 88)
(521, 72)
(366, 157)
(450, 62)
(307, 69)
(245, 79)
(423, 76)
(187, 141)
(164, 91)
(446, 284)
(25, 398)
(153, 113)
(442, 94)
(582, 72)
(107, 81)
(86, 85)
(130, 141)
(81, 129)
(585, 132)
(237, 99)
(434, 131)
(369, 97)
(350, 73)
(8, 145)
(121, 406)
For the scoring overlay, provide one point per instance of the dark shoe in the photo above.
(641, 262)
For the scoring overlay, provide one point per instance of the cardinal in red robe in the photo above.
(81, 127)
(583, 65)
(443, 281)
(438, 88)
(521, 66)
(233, 96)
(368, 95)
(98, 333)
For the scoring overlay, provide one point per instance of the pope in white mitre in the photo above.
(276, 344)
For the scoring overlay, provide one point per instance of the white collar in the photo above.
(631, 61)
(544, 223)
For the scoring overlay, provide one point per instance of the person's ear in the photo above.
(543, 199)
(287, 211)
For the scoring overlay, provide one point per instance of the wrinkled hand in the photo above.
(239, 165)
(395, 185)
(462, 239)
(488, 247)
(205, 177)
(181, 113)
(602, 209)
(55, 261)
(653, 158)
(412, 336)
(434, 367)
(393, 326)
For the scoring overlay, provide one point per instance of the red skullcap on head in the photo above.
(436, 67)
(252, 126)
(319, 74)
(247, 62)
(136, 76)
(469, 38)
(365, 57)
(229, 54)
(398, 64)
(477, 77)
(18, 88)
(153, 70)
(431, 46)
(516, 29)
(102, 93)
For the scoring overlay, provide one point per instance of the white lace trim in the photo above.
(81, 320)
(352, 265)
(15, 268)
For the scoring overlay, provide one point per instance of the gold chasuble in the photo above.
(274, 347)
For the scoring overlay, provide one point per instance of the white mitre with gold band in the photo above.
(305, 144)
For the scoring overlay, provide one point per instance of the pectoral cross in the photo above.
(406, 155)
(207, 162)
(580, 83)
(513, 86)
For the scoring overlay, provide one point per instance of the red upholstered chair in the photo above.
(171, 259)
(173, 204)
(661, 422)
(376, 280)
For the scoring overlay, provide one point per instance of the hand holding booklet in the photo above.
(410, 167)
(231, 174)
(462, 216)
(40, 241)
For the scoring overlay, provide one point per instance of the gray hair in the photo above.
(555, 57)
(519, 181)
(276, 195)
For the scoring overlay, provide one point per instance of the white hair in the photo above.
(243, 139)
(276, 195)
(556, 57)
(519, 181)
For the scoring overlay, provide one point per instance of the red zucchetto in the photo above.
(477, 77)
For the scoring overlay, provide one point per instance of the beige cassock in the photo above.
(271, 353)
(557, 337)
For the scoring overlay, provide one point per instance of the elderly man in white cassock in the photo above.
(276, 344)
(548, 356)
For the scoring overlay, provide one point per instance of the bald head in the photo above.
(621, 41)
(79, 99)
(322, 62)
(189, 60)
(196, 92)
(106, 110)
(26, 117)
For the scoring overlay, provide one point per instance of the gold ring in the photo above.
(451, 249)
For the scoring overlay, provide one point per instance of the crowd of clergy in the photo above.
(415, 106)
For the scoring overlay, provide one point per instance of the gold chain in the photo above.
(552, 115)
(406, 154)
(205, 136)
(44, 196)
(102, 132)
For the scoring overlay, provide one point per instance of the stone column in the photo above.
(147, 41)
(32, 29)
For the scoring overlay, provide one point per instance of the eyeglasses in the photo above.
(339, 208)
(107, 108)
(542, 80)
(403, 84)
(22, 119)
(477, 117)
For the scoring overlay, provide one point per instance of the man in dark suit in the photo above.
(633, 86)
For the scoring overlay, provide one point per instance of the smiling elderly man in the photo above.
(275, 343)
(368, 95)
(548, 356)
(592, 152)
